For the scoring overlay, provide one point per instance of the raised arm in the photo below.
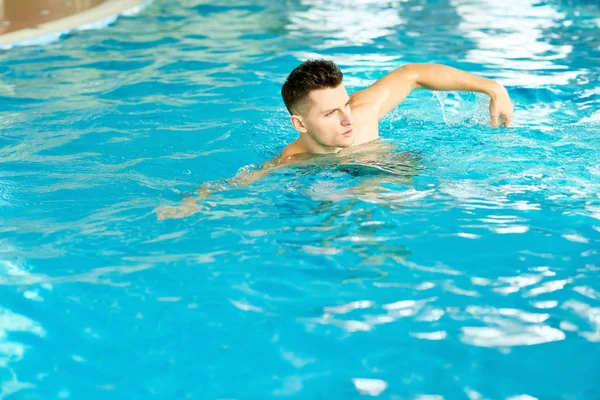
(386, 93)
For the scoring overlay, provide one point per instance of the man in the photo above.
(331, 121)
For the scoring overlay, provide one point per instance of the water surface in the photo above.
(473, 275)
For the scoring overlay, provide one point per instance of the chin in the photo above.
(343, 143)
(348, 142)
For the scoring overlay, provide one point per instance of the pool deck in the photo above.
(24, 21)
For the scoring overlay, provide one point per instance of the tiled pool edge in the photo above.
(97, 17)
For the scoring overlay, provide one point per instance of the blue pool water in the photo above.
(473, 276)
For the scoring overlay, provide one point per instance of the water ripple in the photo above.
(447, 254)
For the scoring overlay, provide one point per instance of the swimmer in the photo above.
(329, 121)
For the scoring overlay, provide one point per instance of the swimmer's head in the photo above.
(319, 104)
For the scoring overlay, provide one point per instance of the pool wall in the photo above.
(32, 33)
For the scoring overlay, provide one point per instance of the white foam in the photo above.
(371, 387)
(511, 229)
(345, 308)
(246, 307)
(576, 238)
(493, 337)
(438, 335)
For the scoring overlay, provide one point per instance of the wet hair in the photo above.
(310, 75)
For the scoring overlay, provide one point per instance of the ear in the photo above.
(298, 123)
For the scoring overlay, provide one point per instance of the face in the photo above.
(328, 123)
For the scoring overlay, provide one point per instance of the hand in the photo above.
(189, 206)
(166, 212)
(501, 108)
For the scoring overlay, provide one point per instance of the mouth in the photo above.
(348, 133)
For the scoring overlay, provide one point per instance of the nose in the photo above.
(346, 118)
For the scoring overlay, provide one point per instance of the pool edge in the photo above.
(96, 17)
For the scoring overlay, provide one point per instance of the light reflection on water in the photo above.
(447, 257)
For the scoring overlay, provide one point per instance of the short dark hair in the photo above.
(310, 75)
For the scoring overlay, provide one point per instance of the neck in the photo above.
(309, 145)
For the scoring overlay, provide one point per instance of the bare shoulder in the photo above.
(364, 105)
(368, 98)
(366, 121)
(291, 151)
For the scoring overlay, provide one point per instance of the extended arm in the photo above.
(189, 205)
(385, 94)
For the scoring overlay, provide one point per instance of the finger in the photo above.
(495, 115)
(167, 212)
(508, 120)
(189, 201)
(495, 121)
(162, 212)
(502, 120)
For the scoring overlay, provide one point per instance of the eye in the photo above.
(347, 105)
(329, 114)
